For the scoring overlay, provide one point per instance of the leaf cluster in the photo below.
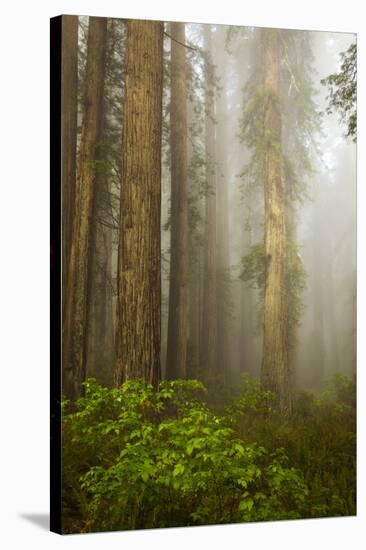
(136, 458)
(342, 91)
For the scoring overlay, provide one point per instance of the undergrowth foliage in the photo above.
(138, 458)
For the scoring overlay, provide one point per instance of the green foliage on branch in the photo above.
(135, 458)
(254, 272)
(342, 91)
(141, 458)
(319, 439)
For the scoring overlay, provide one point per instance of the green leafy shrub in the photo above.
(319, 439)
(136, 458)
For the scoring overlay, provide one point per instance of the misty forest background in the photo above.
(208, 274)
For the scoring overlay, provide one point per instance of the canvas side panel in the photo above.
(55, 272)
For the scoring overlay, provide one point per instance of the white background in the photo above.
(24, 273)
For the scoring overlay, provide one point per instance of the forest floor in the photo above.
(135, 458)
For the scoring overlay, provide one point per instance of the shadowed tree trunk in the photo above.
(292, 327)
(223, 258)
(139, 254)
(317, 343)
(75, 340)
(275, 371)
(318, 348)
(331, 297)
(208, 359)
(101, 339)
(194, 256)
(248, 316)
(176, 364)
(69, 82)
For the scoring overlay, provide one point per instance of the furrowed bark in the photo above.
(275, 370)
(75, 340)
(69, 82)
(139, 262)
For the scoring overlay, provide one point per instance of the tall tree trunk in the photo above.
(330, 296)
(292, 327)
(75, 342)
(176, 364)
(247, 315)
(275, 371)
(107, 326)
(208, 360)
(194, 247)
(69, 83)
(194, 317)
(223, 257)
(101, 341)
(317, 342)
(139, 255)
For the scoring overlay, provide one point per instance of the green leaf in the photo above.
(178, 469)
(246, 505)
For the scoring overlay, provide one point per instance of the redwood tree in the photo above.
(69, 82)
(275, 370)
(139, 254)
(223, 250)
(101, 333)
(208, 359)
(178, 283)
(75, 338)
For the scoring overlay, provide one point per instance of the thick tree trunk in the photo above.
(139, 262)
(176, 363)
(78, 284)
(275, 371)
(69, 82)
(208, 361)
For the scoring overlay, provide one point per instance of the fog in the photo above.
(321, 211)
(226, 200)
(208, 293)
